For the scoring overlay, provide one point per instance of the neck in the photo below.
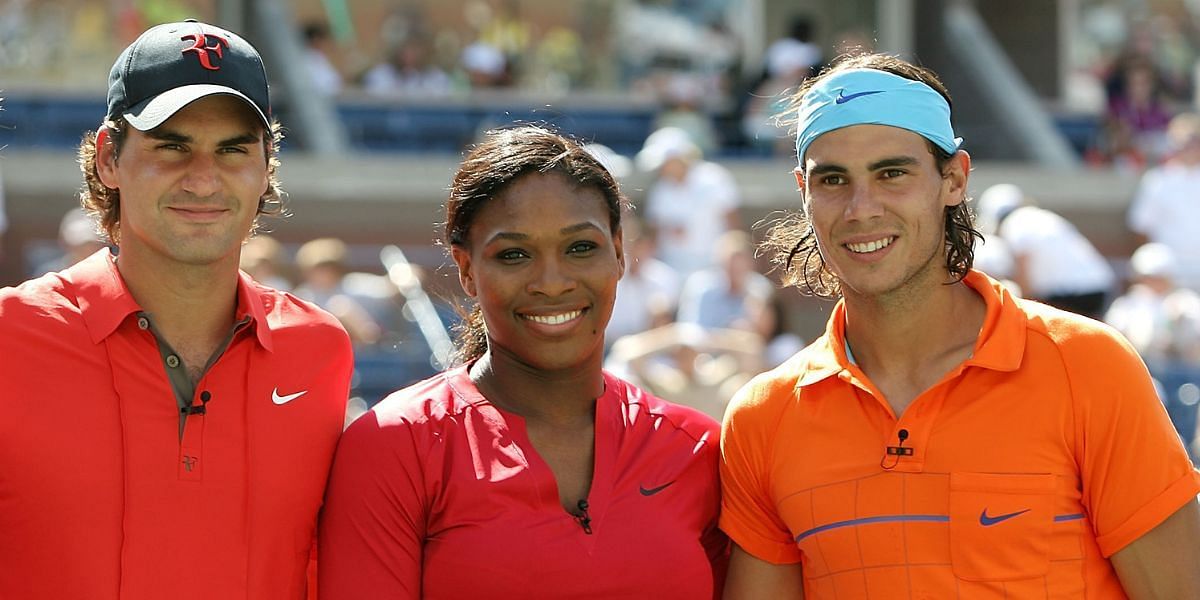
(563, 396)
(912, 333)
(194, 302)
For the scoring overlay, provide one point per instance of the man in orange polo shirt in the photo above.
(943, 439)
(166, 423)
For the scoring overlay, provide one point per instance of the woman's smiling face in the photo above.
(542, 260)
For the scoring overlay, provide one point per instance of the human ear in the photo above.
(954, 178)
(462, 258)
(106, 158)
(619, 247)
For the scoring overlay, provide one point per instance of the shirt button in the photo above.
(172, 361)
(143, 323)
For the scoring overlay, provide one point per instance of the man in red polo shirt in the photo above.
(166, 423)
(943, 439)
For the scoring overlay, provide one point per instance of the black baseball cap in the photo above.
(171, 65)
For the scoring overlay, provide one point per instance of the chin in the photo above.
(559, 358)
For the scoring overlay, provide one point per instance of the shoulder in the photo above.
(773, 390)
(1081, 342)
(47, 299)
(433, 404)
(685, 419)
(407, 419)
(290, 315)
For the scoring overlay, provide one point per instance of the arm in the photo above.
(372, 528)
(750, 578)
(1165, 562)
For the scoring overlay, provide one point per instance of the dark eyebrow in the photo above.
(579, 227)
(823, 169)
(167, 135)
(895, 161)
(521, 237)
(240, 140)
(509, 235)
(898, 161)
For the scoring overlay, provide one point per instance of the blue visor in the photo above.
(873, 97)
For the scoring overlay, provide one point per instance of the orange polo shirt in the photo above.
(1023, 469)
(100, 498)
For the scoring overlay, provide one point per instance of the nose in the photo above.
(202, 179)
(551, 277)
(864, 203)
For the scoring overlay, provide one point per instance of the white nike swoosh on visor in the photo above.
(277, 399)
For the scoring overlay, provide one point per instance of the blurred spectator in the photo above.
(319, 50)
(617, 164)
(264, 259)
(682, 97)
(731, 295)
(691, 202)
(1136, 121)
(789, 62)
(648, 291)
(796, 48)
(686, 364)
(1167, 206)
(558, 62)
(782, 342)
(1160, 319)
(503, 27)
(1053, 262)
(78, 237)
(992, 254)
(408, 70)
(651, 37)
(322, 265)
(485, 66)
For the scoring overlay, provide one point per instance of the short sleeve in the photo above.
(1143, 211)
(1134, 468)
(372, 527)
(748, 514)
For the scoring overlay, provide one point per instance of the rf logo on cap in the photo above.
(198, 46)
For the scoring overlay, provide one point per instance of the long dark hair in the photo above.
(790, 241)
(502, 157)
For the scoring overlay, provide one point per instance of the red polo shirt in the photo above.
(1031, 463)
(437, 493)
(99, 496)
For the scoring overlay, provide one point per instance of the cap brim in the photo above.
(148, 114)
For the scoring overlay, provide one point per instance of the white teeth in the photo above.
(870, 246)
(554, 319)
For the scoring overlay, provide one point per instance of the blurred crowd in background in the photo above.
(697, 312)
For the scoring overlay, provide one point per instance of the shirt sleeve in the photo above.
(1135, 470)
(748, 512)
(1142, 212)
(372, 527)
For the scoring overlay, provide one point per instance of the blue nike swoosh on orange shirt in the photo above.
(654, 490)
(987, 520)
(842, 98)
